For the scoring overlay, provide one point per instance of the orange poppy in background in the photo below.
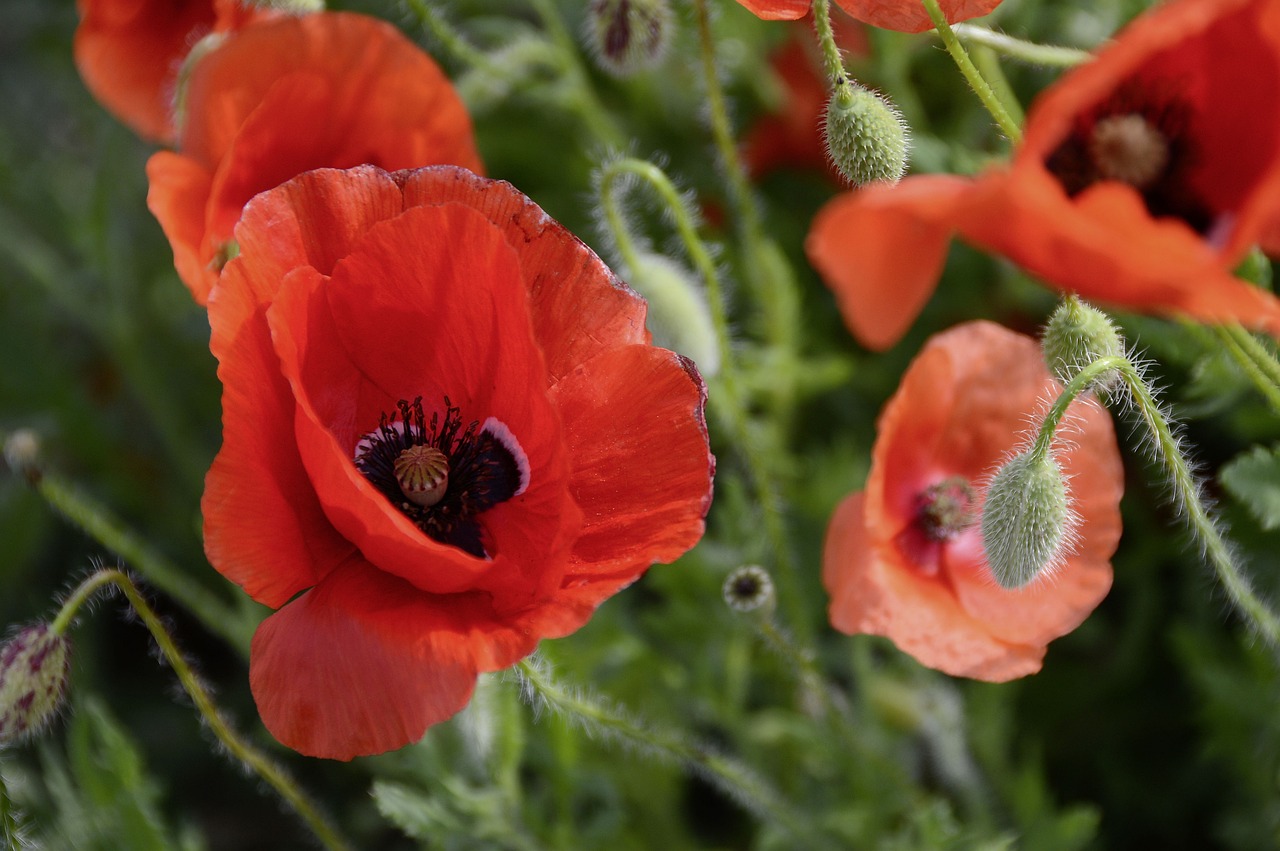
(902, 15)
(286, 96)
(1143, 179)
(434, 452)
(129, 53)
(904, 558)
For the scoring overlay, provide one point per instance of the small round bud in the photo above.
(1027, 523)
(34, 665)
(749, 589)
(423, 474)
(628, 36)
(678, 314)
(22, 453)
(866, 137)
(1076, 335)
(1255, 267)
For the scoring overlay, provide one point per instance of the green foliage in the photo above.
(1253, 477)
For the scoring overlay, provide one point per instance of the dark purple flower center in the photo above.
(440, 475)
(945, 509)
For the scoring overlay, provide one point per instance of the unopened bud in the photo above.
(749, 589)
(628, 36)
(1076, 335)
(866, 136)
(199, 51)
(34, 665)
(1255, 267)
(1027, 522)
(678, 314)
(22, 453)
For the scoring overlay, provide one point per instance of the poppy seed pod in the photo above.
(1027, 520)
(679, 318)
(628, 36)
(749, 589)
(34, 665)
(1076, 335)
(866, 136)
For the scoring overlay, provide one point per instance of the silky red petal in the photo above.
(179, 188)
(880, 596)
(364, 662)
(578, 306)
(777, 10)
(910, 16)
(881, 250)
(641, 467)
(264, 529)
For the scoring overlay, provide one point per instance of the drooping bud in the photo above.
(1076, 335)
(34, 665)
(867, 138)
(423, 474)
(679, 317)
(1027, 522)
(749, 589)
(628, 36)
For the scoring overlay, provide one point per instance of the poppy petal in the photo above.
(178, 191)
(882, 249)
(364, 662)
(777, 10)
(909, 16)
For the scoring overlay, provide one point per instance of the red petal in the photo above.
(179, 188)
(777, 10)
(263, 527)
(364, 663)
(909, 16)
(641, 466)
(881, 250)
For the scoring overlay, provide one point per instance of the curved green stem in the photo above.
(1024, 51)
(1185, 486)
(257, 761)
(832, 61)
(971, 74)
(100, 524)
(614, 722)
(1256, 361)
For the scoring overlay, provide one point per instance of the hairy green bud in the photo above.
(1027, 522)
(867, 138)
(1077, 335)
(628, 36)
(34, 665)
(679, 317)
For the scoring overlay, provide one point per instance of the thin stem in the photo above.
(971, 74)
(452, 40)
(611, 721)
(590, 110)
(832, 61)
(100, 524)
(731, 400)
(987, 61)
(1185, 486)
(1246, 359)
(226, 734)
(1025, 51)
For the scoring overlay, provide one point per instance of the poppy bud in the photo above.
(1076, 335)
(749, 589)
(292, 7)
(866, 137)
(628, 36)
(1255, 267)
(199, 51)
(34, 665)
(678, 314)
(22, 453)
(1027, 522)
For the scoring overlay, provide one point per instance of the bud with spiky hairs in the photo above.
(679, 316)
(34, 665)
(1076, 335)
(628, 36)
(1027, 522)
(749, 589)
(866, 136)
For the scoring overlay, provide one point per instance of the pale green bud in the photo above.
(1077, 335)
(867, 138)
(678, 314)
(628, 36)
(34, 665)
(1027, 522)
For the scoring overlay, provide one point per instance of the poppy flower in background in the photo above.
(792, 136)
(907, 16)
(434, 452)
(1142, 180)
(286, 96)
(904, 558)
(129, 53)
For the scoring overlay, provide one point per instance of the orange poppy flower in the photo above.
(907, 16)
(288, 95)
(1142, 180)
(904, 558)
(129, 53)
(432, 458)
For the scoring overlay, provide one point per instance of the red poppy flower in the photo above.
(902, 15)
(129, 53)
(904, 558)
(434, 454)
(1143, 178)
(792, 136)
(289, 95)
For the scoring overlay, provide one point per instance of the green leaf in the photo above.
(1254, 478)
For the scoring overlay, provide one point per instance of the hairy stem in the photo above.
(1024, 51)
(971, 74)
